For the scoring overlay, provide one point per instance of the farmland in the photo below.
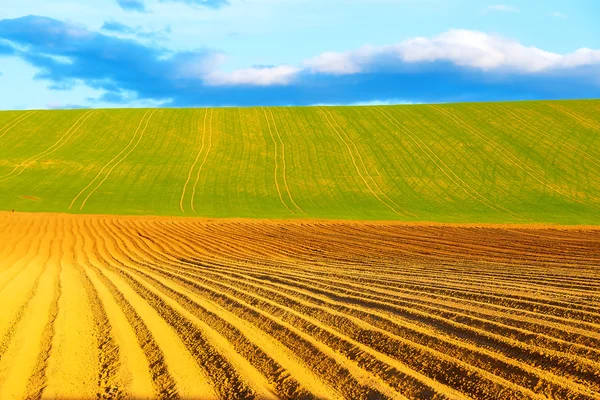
(108, 306)
(524, 162)
(398, 252)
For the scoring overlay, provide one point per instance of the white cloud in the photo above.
(476, 49)
(207, 67)
(581, 57)
(460, 47)
(339, 63)
(502, 8)
(256, 76)
(463, 48)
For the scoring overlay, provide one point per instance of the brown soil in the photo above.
(108, 307)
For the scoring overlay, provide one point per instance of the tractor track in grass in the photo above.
(23, 165)
(582, 120)
(117, 161)
(189, 176)
(512, 163)
(284, 173)
(470, 191)
(588, 157)
(210, 135)
(6, 128)
(505, 153)
(356, 165)
(276, 179)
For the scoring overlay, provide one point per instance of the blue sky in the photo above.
(182, 53)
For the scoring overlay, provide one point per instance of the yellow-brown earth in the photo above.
(143, 307)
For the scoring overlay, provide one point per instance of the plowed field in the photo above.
(109, 307)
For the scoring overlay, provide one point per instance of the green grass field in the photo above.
(525, 162)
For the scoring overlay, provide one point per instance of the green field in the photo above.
(525, 162)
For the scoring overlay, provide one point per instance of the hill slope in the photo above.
(494, 162)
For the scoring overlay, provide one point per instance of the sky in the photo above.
(197, 53)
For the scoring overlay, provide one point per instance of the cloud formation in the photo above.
(66, 54)
(254, 76)
(458, 65)
(132, 5)
(462, 48)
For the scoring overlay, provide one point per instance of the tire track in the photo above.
(287, 188)
(502, 150)
(117, 163)
(358, 169)
(588, 157)
(477, 197)
(189, 176)
(210, 134)
(57, 145)
(113, 159)
(6, 128)
(574, 116)
(360, 157)
(277, 165)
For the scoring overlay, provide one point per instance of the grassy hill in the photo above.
(490, 162)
